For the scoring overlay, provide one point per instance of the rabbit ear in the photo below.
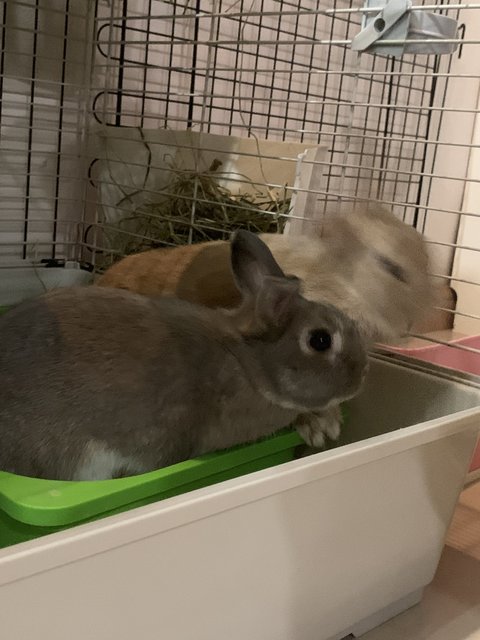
(252, 263)
(277, 300)
(264, 287)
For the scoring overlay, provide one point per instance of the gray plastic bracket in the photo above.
(398, 20)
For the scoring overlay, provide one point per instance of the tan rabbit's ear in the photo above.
(252, 263)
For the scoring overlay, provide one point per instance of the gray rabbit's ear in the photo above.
(252, 263)
(277, 301)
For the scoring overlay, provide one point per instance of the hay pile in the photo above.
(194, 207)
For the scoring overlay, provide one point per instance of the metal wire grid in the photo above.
(274, 74)
(285, 71)
(43, 80)
(272, 69)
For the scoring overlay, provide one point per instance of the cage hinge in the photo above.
(394, 29)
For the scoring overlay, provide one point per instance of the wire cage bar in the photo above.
(88, 91)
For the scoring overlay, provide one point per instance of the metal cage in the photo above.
(88, 88)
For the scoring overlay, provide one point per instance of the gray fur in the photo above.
(92, 377)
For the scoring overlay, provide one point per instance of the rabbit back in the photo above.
(76, 379)
(199, 273)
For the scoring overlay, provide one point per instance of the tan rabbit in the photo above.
(368, 263)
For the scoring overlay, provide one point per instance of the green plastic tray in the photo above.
(31, 507)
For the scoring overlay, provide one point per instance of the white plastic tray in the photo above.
(315, 549)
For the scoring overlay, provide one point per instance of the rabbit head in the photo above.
(374, 267)
(307, 354)
(393, 274)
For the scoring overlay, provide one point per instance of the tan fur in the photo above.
(208, 279)
(339, 265)
(162, 271)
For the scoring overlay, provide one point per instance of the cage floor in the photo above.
(450, 609)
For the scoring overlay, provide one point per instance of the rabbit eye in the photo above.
(320, 340)
(393, 269)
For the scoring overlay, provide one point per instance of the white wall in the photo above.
(457, 164)
(467, 261)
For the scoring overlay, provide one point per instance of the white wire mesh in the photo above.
(43, 92)
(401, 131)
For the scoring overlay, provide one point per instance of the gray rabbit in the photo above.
(98, 383)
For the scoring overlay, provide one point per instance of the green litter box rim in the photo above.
(47, 503)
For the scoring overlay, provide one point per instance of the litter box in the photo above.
(316, 548)
(453, 358)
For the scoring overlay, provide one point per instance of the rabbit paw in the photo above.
(313, 427)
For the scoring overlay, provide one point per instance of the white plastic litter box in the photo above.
(317, 548)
